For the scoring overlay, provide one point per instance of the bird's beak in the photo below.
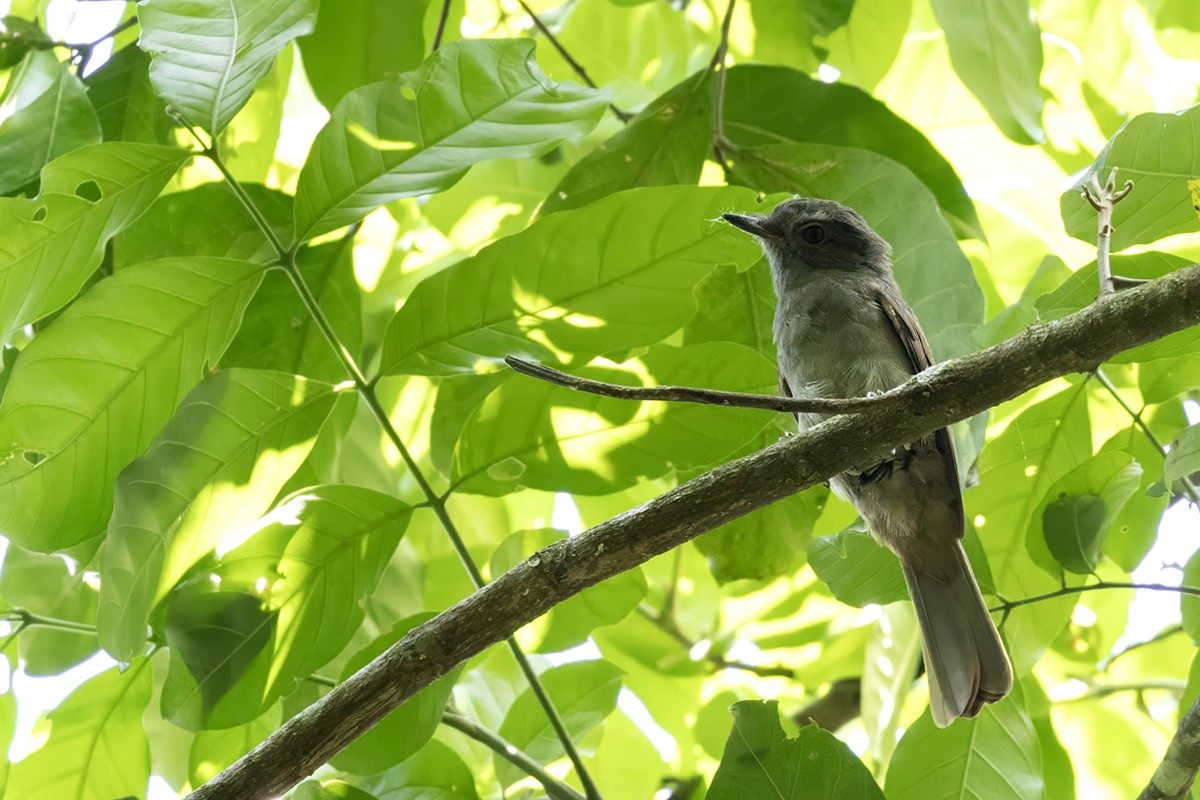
(753, 224)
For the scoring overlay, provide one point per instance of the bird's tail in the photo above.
(964, 657)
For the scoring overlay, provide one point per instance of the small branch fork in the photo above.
(1103, 199)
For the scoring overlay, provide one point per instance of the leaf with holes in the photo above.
(616, 274)
(48, 114)
(213, 469)
(91, 391)
(761, 761)
(54, 242)
(420, 132)
(207, 56)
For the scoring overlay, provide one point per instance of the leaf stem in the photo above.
(366, 389)
(555, 788)
(670, 627)
(1103, 199)
(441, 26)
(28, 618)
(624, 116)
(720, 143)
(1008, 605)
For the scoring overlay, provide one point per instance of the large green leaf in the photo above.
(616, 274)
(90, 392)
(1158, 153)
(207, 55)
(761, 761)
(843, 116)
(866, 47)
(1135, 529)
(313, 562)
(436, 772)
(995, 755)
(48, 115)
(1017, 468)
(125, 100)
(857, 569)
(583, 692)
(213, 751)
(766, 543)
(665, 144)
(996, 49)
(213, 469)
(420, 132)
(408, 729)
(935, 276)
(1079, 509)
(357, 42)
(532, 433)
(54, 242)
(97, 746)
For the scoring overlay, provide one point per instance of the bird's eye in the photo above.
(812, 234)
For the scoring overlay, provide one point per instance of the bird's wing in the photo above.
(908, 332)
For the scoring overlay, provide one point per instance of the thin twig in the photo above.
(1008, 605)
(1103, 199)
(668, 626)
(555, 788)
(441, 26)
(688, 394)
(1189, 489)
(366, 390)
(28, 619)
(1098, 690)
(624, 116)
(1165, 633)
(720, 143)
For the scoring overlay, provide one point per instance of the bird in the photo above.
(842, 329)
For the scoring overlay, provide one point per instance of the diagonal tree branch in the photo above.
(1174, 777)
(937, 397)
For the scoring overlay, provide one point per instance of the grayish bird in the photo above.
(843, 330)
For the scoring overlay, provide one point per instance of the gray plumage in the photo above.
(842, 329)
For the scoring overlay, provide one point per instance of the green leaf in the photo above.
(1079, 509)
(1074, 528)
(8, 711)
(1184, 456)
(996, 49)
(761, 761)
(888, 669)
(1157, 152)
(842, 116)
(17, 37)
(533, 433)
(206, 57)
(1165, 379)
(569, 623)
(665, 144)
(736, 306)
(766, 543)
(213, 469)
(213, 751)
(357, 42)
(44, 585)
(420, 132)
(868, 44)
(1135, 528)
(311, 565)
(214, 639)
(97, 747)
(567, 284)
(125, 100)
(135, 344)
(434, 773)
(935, 276)
(995, 755)
(583, 692)
(1017, 469)
(205, 221)
(54, 242)
(279, 333)
(1081, 288)
(857, 569)
(48, 115)
(407, 730)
